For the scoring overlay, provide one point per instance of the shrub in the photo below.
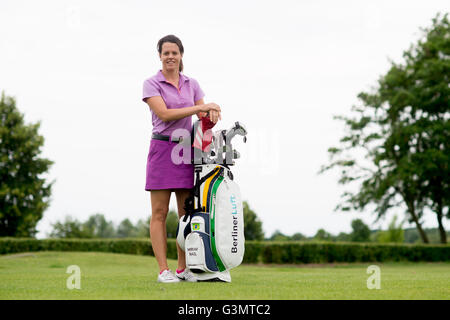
(255, 251)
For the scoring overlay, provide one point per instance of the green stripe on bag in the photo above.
(220, 264)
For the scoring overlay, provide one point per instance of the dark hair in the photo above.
(173, 39)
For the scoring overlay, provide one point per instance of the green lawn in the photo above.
(42, 275)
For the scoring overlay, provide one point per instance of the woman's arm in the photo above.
(214, 115)
(158, 106)
(200, 114)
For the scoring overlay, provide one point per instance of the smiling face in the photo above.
(170, 56)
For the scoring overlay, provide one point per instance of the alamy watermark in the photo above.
(73, 17)
(74, 280)
(262, 153)
(374, 281)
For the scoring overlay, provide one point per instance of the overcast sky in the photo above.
(282, 68)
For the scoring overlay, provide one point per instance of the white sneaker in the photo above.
(167, 277)
(186, 275)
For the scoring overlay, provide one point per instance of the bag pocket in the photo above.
(200, 222)
(199, 257)
(183, 229)
(195, 222)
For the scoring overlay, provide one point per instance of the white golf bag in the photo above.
(212, 231)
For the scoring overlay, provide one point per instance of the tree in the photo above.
(278, 236)
(394, 233)
(143, 228)
(431, 64)
(342, 236)
(298, 236)
(24, 192)
(98, 227)
(172, 224)
(252, 225)
(70, 228)
(402, 128)
(361, 232)
(323, 235)
(126, 229)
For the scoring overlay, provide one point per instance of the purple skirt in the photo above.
(162, 172)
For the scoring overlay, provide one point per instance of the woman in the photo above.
(173, 98)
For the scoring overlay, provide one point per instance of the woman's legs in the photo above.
(160, 207)
(181, 194)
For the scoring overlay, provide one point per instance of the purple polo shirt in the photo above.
(186, 95)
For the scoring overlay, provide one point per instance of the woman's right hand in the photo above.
(209, 106)
(213, 111)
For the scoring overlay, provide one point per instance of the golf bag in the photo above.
(212, 231)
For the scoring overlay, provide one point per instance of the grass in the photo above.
(42, 275)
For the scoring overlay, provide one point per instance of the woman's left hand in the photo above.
(214, 116)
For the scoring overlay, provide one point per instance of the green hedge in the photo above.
(131, 246)
(327, 252)
(255, 252)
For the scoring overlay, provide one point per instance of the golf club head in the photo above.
(240, 129)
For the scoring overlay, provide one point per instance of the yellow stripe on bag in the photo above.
(206, 187)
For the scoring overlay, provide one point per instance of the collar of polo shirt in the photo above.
(160, 77)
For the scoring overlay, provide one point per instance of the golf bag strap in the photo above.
(201, 181)
(206, 177)
(189, 214)
(198, 183)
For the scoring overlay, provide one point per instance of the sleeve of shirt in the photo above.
(149, 90)
(198, 92)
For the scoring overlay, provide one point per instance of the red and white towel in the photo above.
(203, 135)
